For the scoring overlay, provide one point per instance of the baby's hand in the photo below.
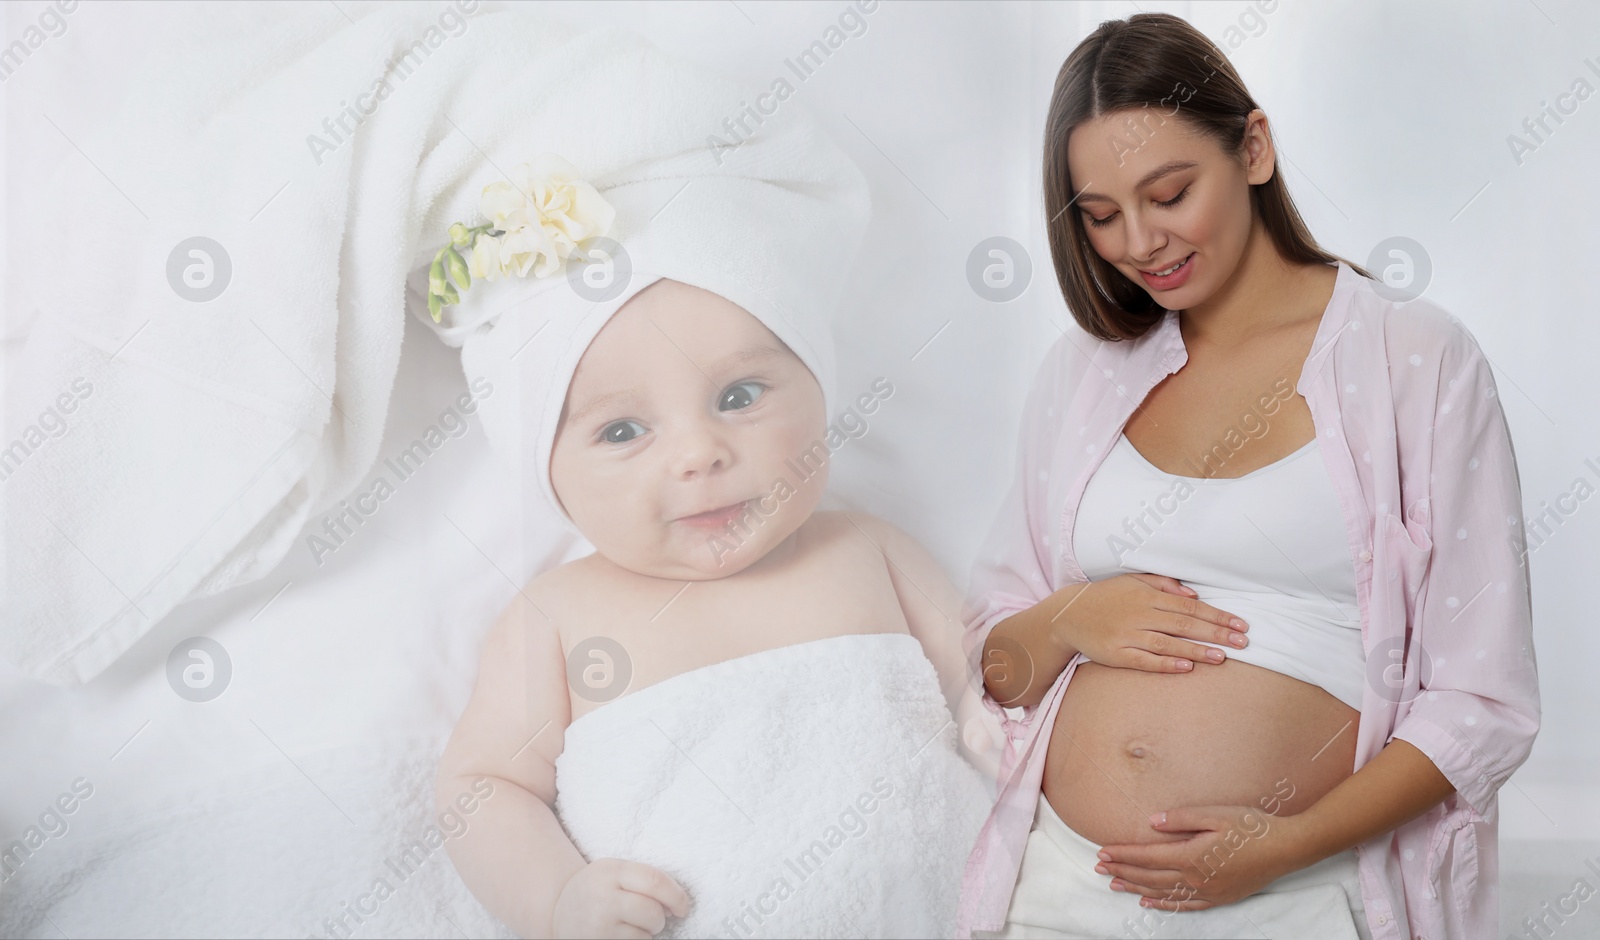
(611, 897)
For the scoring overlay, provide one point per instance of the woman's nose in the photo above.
(699, 448)
(1145, 240)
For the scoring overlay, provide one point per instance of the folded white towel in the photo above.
(812, 790)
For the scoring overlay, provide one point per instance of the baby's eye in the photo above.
(621, 432)
(741, 396)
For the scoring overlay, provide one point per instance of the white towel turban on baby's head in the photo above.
(771, 223)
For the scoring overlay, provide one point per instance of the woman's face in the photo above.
(1157, 194)
(682, 422)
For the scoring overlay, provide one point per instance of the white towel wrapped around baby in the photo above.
(812, 790)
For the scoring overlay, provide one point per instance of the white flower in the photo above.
(485, 261)
(544, 212)
(530, 247)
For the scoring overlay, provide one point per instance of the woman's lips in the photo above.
(1171, 281)
(716, 518)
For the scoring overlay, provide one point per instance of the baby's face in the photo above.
(682, 425)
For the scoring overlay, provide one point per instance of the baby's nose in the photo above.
(700, 450)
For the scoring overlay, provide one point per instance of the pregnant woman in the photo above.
(1259, 587)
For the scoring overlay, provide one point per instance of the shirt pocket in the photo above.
(1409, 548)
(1400, 561)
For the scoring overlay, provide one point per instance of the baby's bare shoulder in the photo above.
(902, 553)
(583, 577)
(561, 594)
(859, 538)
(858, 526)
(835, 521)
(564, 580)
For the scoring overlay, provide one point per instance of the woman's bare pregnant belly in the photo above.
(1128, 743)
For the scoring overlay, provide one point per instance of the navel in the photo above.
(1138, 750)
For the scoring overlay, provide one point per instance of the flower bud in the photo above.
(459, 236)
(450, 295)
(433, 306)
(436, 282)
(458, 268)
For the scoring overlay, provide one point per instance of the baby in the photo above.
(734, 717)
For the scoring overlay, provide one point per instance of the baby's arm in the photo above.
(514, 856)
(932, 607)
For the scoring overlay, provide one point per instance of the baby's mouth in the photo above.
(716, 518)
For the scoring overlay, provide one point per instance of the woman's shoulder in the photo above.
(1432, 358)
(1074, 355)
(1411, 330)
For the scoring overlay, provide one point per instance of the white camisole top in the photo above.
(1268, 547)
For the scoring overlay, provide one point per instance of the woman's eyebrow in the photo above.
(1171, 166)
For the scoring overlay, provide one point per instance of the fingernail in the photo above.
(1237, 639)
(1237, 624)
(1101, 869)
(1184, 664)
(1158, 819)
(1214, 655)
(1103, 855)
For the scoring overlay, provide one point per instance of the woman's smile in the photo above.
(1173, 277)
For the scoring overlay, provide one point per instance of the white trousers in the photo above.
(1060, 895)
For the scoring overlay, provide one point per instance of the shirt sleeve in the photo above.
(1477, 713)
(1014, 571)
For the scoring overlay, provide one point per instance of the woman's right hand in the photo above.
(1148, 622)
(613, 897)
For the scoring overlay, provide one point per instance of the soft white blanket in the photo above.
(209, 866)
(811, 790)
(323, 152)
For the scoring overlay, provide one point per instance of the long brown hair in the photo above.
(1149, 61)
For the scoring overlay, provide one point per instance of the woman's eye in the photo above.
(1100, 223)
(621, 432)
(1175, 199)
(741, 396)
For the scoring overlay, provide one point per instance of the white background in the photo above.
(1391, 119)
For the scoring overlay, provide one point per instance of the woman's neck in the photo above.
(1265, 294)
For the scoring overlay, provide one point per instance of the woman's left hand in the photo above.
(1230, 853)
